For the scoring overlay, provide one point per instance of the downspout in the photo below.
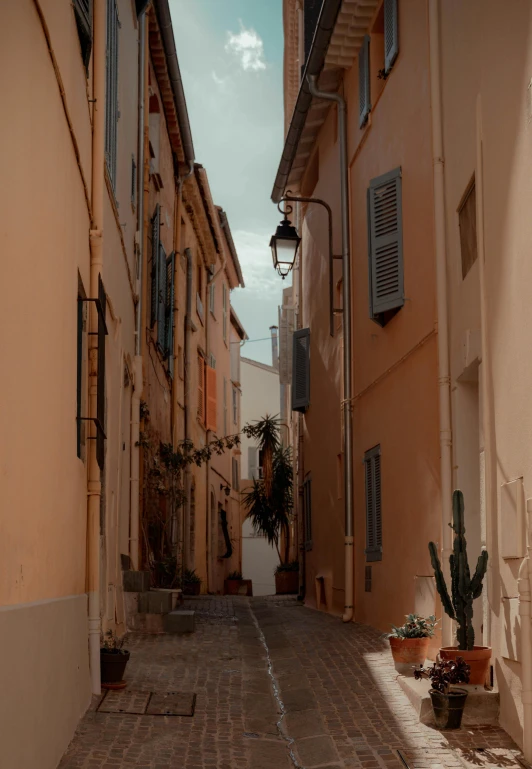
(524, 584)
(188, 421)
(348, 394)
(444, 379)
(138, 376)
(94, 486)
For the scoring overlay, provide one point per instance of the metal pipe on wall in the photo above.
(188, 370)
(347, 406)
(524, 584)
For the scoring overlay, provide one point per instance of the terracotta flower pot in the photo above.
(408, 653)
(238, 587)
(192, 588)
(286, 582)
(478, 660)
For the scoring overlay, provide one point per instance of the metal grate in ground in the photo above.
(141, 703)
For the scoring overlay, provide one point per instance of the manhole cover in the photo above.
(172, 704)
(125, 702)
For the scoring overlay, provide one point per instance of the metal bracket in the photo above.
(101, 313)
(98, 427)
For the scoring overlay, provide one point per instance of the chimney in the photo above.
(275, 347)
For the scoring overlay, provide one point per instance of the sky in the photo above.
(231, 60)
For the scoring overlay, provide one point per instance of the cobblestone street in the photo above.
(254, 664)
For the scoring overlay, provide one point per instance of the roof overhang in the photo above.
(339, 34)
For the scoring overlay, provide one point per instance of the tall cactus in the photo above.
(464, 590)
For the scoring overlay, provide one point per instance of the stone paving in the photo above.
(278, 686)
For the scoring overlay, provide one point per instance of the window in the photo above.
(201, 389)
(225, 406)
(168, 296)
(235, 405)
(236, 474)
(364, 95)
(212, 297)
(81, 389)
(211, 399)
(372, 467)
(111, 90)
(155, 235)
(467, 221)
(253, 463)
(83, 15)
(133, 182)
(162, 292)
(391, 34)
(307, 511)
(199, 290)
(212, 361)
(385, 246)
(301, 370)
(224, 311)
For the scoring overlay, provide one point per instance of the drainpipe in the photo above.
(348, 394)
(138, 377)
(444, 378)
(188, 420)
(524, 584)
(94, 486)
(275, 347)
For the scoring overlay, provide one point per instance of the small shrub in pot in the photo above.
(113, 660)
(448, 703)
(191, 582)
(410, 642)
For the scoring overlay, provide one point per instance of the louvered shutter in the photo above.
(385, 245)
(253, 462)
(391, 34)
(169, 313)
(100, 383)
(372, 466)
(201, 389)
(161, 299)
(155, 233)
(211, 399)
(364, 95)
(83, 14)
(111, 93)
(301, 370)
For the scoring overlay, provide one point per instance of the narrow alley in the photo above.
(341, 705)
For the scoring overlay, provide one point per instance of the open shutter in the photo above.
(155, 235)
(211, 400)
(100, 384)
(83, 14)
(372, 465)
(391, 34)
(111, 95)
(253, 462)
(301, 370)
(169, 313)
(385, 246)
(364, 96)
(161, 299)
(201, 389)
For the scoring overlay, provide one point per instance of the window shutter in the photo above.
(364, 96)
(385, 246)
(372, 465)
(201, 389)
(301, 370)
(169, 312)
(100, 383)
(212, 409)
(155, 232)
(224, 319)
(307, 504)
(253, 462)
(236, 479)
(83, 14)
(111, 93)
(161, 299)
(225, 406)
(212, 288)
(391, 34)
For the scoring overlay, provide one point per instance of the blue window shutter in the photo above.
(155, 237)
(391, 34)
(169, 315)
(364, 95)
(372, 467)
(161, 299)
(385, 249)
(301, 370)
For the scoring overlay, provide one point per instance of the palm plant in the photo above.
(270, 499)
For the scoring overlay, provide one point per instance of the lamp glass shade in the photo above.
(284, 245)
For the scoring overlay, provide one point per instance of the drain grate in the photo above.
(148, 703)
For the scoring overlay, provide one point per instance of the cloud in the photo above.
(221, 82)
(248, 47)
(255, 259)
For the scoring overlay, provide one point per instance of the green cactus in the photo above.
(464, 590)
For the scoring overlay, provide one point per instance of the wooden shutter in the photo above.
(372, 466)
(391, 34)
(301, 370)
(155, 235)
(364, 95)
(201, 389)
(111, 92)
(83, 14)
(212, 406)
(161, 299)
(385, 231)
(169, 312)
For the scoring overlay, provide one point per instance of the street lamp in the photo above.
(284, 245)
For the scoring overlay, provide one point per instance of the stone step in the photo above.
(481, 708)
(155, 602)
(136, 581)
(179, 621)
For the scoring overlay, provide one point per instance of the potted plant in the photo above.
(113, 660)
(270, 499)
(410, 642)
(447, 703)
(287, 578)
(234, 584)
(191, 582)
(464, 590)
